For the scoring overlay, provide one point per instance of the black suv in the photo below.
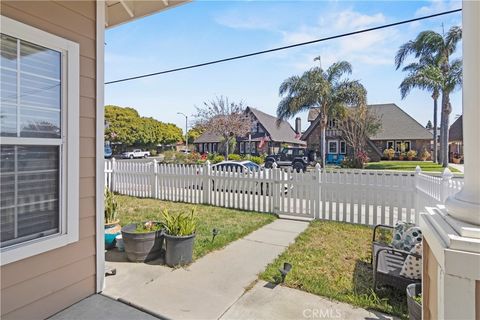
(297, 158)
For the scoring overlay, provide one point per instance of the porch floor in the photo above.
(101, 307)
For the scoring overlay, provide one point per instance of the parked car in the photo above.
(107, 151)
(238, 168)
(137, 153)
(297, 158)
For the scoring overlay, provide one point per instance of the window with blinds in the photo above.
(31, 141)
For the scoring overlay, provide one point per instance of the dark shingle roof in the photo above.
(282, 133)
(455, 133)
(396, 124)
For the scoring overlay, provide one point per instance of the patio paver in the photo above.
(208, 287)
(265, 301)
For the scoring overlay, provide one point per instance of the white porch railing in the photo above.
(357, 196)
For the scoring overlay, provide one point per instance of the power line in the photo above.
(286, 47)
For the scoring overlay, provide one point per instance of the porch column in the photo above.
(451, 233)
(465, 205)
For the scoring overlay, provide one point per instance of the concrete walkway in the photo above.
(211, 285)
(459, 167)
(265, 301)
(102, 308)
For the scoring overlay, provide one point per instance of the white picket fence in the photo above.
(357, 196)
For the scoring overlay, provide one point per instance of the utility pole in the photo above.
(186, 130)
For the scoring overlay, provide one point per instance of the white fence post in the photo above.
(277, 188)
(418, 170)
(112, 175)
(446, 177)
(318, 197)
(207, 183)
(154, 188)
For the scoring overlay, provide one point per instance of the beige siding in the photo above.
(430, 283)
(44, 284)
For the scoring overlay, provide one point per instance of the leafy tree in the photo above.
(433, 51)
(357, 125)
(194, 133)
(124, 125)
(223, 118)
(429, 125)
(326, 89)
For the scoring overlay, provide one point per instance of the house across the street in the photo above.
(455, 140)
(399, 130)
(265, 136)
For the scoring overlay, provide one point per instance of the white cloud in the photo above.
(436, 6)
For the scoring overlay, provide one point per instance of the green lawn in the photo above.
(232, 224)
(407, 166)
(332, 259)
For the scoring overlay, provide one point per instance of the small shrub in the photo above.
(347, 163)
(362, 157)
(193, 157)
(218, 158)
(411, 154)
(389, 153)
(169, 156)
(257, 160)
(402, 156)
(234, 157)
(180, 157)
(425, 155)
(153, 152)
(111, 206)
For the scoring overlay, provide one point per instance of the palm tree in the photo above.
(430, 45)
(419, 77)
(327, 90)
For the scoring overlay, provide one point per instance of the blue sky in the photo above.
(201, 31)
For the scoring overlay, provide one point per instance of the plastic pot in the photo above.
(141, 247)
(179, 249)
(414, 308)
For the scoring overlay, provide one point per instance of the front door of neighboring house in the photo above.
(336, 150)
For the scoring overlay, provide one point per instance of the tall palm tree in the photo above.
(327, 89)
(440, 48)
(420, 77)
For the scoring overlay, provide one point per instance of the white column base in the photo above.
(463, 210)
(456, 247)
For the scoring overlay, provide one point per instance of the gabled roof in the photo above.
(278, 133)
(455, 133)
(283, 133)
(396, 124)
(313, 114)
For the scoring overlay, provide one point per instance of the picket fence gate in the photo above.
(365, 197)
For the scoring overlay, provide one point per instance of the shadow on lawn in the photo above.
(395, 299)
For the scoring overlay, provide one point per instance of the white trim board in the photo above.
(100, 183)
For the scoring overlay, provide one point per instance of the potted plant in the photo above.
(457, 158)
(179, 237)
(414, 301)
(401, 156)
(112, 228)
(143, 241)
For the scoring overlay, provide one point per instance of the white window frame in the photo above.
(336, 146)
(409, 145)
(242, 147)
(69, 148)
(344, 143)
(393, 144)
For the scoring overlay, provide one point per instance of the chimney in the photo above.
(298, 125)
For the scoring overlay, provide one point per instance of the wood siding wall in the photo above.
(430, 284)
(42, 285)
